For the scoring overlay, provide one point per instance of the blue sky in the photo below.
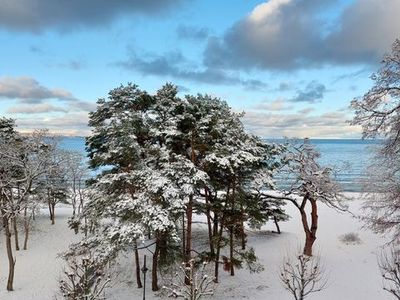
(292, 65)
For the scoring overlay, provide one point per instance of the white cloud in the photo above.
(66, 124)
(276, 105)
(267, 11)
(35, 109)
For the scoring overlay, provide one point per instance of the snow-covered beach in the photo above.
(351, 269)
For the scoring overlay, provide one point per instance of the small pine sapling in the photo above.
(85, 279)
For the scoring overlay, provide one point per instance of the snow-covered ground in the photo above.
(352, 269)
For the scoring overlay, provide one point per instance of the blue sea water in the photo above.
(348, 156)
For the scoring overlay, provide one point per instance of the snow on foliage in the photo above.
(165, 158)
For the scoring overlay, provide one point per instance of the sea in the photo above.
(348, 157)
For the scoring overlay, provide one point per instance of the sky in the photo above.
(293, 66)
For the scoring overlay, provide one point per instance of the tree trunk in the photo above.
(278, 229)
(26, 227)
(52, 216)
(233, 222)
(74, 196)
(26, 235)
(49, 204)
(231, 250)
(81, 198)
(308, 245)
(242, 233)
(183, 237)
(163, 246)
(219, 237)
(14, 222)
(210, 230)
(11, 260)
(137, 267)
(188, 254)
(154, 277)
(217, 254)
(309, 232)
(215, 225)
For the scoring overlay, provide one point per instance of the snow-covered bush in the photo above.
(351, 238)
(389, 264)
(303, 276)
(201, 284)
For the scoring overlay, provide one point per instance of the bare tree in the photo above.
(55, 179)
(21, 164)
(303, 276)
(29, 211)
(389, 264)
(378, 112)
(200, 284)
(381, 188)
(77, 173)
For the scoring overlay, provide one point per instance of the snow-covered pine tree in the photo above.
(237, 163)
(164, 159)
(147, 183)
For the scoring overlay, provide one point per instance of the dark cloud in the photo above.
(291, 34)
(82, 105)
(39, 15)
(175, 65)
(367, 30)
(353, 75)
(284, 86)
(36, 49)
(279, 34)
(74, 64)
(313, 92)
(192, 32)
(28, 90)
(183, 89)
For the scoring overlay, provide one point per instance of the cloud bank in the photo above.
(29, 90)
(174, 64)
(32, 97)
(300, 125)
(292, 34)
(39, 15)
